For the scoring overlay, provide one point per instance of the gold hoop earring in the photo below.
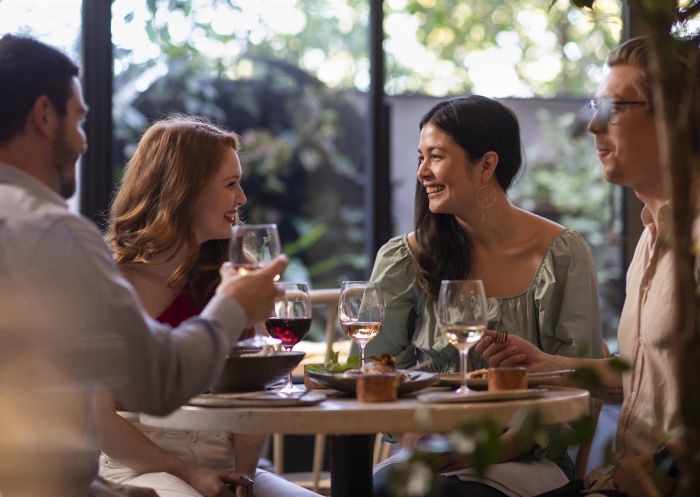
(485, 198)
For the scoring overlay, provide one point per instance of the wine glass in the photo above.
(361, 311)
(461, 315)
(252, 247)
(290, 320)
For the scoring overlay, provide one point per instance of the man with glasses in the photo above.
(628, 147)
(69, 321)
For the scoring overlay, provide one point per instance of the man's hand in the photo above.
(515, 351)
(216, 482)
(634, 477)
(254, 291)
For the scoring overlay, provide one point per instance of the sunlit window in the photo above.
(55, 23)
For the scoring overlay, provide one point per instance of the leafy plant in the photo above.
(333, 366)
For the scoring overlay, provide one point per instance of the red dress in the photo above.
(180, 309)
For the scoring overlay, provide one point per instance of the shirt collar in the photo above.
(16, 176)
(662, 228)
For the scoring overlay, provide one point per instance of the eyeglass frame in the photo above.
(604, 116)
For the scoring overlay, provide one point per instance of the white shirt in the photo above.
(69, 320)
(650, 410)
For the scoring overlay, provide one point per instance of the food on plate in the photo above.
(478, 374)
(513, 378)
(377, 387)
(383, 364)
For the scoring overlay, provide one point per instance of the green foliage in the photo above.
(478, 445)
(587, 378)
(528, 31)
(618, 365)
(332, 364)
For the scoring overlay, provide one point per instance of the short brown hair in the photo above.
(636, 52)
(153, 210)
(28, 70)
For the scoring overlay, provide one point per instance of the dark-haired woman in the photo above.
(539, 277)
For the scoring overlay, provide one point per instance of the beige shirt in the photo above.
(650, 409)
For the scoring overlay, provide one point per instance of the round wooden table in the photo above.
(350, 424)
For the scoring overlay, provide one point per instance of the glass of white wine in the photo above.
(253, 246)
(361, 311)
(462, 316)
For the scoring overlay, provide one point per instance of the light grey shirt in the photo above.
(68, 321)
(559, 311)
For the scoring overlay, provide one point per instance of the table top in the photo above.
(347, 416)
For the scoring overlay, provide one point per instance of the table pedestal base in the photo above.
(351, 465)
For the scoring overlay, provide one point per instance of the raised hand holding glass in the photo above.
(252, 247)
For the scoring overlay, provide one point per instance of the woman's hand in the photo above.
(214, 482)
(515, 351)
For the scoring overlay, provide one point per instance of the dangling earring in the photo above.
(485, 198)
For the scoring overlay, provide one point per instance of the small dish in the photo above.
(454, 398)
(257, 399)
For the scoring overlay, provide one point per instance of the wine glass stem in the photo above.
(362, 353)
(290, 384)
(463, 353)
(257, 329)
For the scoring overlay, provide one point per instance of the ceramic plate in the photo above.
(257, 399)
(416, 380)
(533, 379)
(452, 398)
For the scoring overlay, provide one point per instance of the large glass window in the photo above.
(56, 23)
(282, 74)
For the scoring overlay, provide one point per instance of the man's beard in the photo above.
(64, 159)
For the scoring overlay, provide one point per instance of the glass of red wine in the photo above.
(253, 246)
(290, 320)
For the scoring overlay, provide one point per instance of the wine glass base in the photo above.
(291, 388)
(463, 391)
(260, 341)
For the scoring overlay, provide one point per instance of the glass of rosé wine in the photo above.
(361, 311)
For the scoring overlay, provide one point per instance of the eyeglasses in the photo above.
(608, 111)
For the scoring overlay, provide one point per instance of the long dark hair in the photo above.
(478, 125)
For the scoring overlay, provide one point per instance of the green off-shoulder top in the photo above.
(559, 311)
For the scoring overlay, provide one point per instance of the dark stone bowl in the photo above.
(245, 373)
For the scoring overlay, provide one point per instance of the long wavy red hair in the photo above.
(153, 211)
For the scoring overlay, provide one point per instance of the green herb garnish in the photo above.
(333, 365)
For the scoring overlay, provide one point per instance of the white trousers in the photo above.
(208, 449)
